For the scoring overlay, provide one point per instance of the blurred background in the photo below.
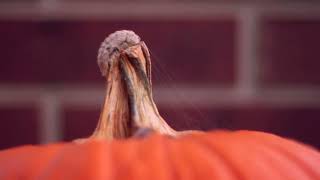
(238, 64)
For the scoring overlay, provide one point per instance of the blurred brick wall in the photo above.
(240, 69)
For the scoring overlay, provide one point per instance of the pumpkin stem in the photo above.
(128, 107)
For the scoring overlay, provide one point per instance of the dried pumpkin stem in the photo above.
(129, 107)
(130, 91)
(142, 75)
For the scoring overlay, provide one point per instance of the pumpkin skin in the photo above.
(221, 155)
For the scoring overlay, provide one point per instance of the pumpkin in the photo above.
(215, 155)
(132, 141)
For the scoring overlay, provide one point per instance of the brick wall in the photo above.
(216, 66)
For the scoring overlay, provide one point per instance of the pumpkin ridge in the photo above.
(278, 162)
(210, 145)
(289, 148)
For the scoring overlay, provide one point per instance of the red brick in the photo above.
(79, 122)
(193, 118)
(57, 52)
(19, 126)
(297, 123)
(301, 124)
(290, 52)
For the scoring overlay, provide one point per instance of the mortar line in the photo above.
(59, 9)
(49, 118)
(247, 43)
(92, 97)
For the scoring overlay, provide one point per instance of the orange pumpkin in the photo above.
(216, 155)
(113, 152)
